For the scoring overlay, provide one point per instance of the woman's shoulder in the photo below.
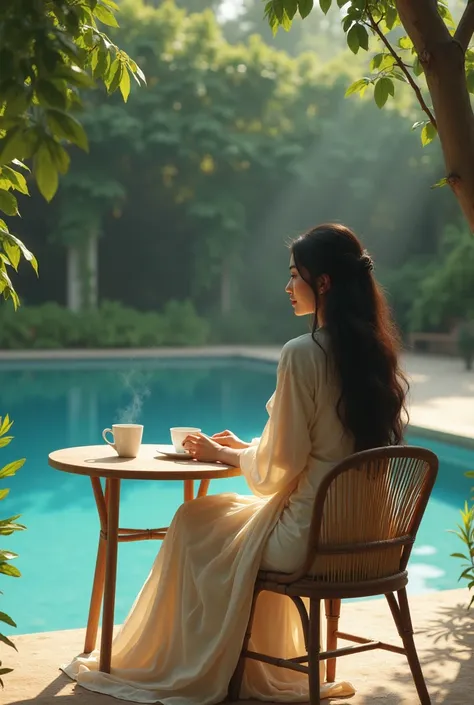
(306, 348)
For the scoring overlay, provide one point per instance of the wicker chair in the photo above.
(365, 519)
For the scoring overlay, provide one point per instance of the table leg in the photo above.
(203, 488)
(96, 599)
(113, 492)
(188, 490)
(99, 575)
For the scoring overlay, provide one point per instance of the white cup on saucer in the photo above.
(179, 434)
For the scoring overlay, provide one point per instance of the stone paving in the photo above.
(444, 638)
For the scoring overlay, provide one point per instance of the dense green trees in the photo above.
(191, 189)
(434, 48)
(50, 52)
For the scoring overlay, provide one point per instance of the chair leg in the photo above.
(233, 692)
(333, 612)
(402, 618)
(314, 648)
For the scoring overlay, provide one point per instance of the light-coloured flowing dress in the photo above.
(181, 640)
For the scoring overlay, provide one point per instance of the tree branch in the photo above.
(402, 67)
(465, 29)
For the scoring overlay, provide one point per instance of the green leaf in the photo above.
(4, 493)
(11, 468)
(67, 127)
(103, 63)
(417, 67)
(50, 94)
(341, 3)
(6, 439)
(17, 180)
(467, 573)
(363, 37)
(29, 256)
(446, 15)
(59, 155)
(405, 43)
(5, 424)
(325, 5)
(110, 3)
(376, 61)
(4, 522)
(305, 7)
(428, 134)
(7, 555)
(383, 88)
(106, 16)
(17, 162)
(115, 76)
(10, 570)
(11, 145)
(45, 172)
(125, 84)
(357, 87)
(8, 620)
(291, 7)
(459, 555)
(7, 641)
(470, 81)
(13, 253)
(76, 76)
(137, 70)
(8, 203)
(15, 97)
(442, 182)
(391, 16)
(353, 39)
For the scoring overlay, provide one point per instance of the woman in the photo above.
(339, 390)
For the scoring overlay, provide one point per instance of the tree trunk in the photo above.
(74, 293)
(226, 287)
(442, 58)
(82, 274)
(91, 283)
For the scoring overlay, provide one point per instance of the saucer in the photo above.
(170, 452)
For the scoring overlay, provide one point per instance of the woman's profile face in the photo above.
(300, 293)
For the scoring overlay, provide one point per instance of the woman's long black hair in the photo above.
(364, 342)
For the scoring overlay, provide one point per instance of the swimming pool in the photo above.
(63, 404)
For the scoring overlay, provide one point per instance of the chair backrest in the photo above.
(367, 513)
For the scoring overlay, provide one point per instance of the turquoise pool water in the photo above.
(61, 404)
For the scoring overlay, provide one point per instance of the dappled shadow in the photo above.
(447, 662)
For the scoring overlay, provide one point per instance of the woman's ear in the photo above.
(324, 283)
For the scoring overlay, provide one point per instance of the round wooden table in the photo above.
(101, 462)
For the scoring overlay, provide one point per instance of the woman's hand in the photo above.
(229, 439)
(202, 448)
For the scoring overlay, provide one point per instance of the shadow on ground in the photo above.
(447, 661)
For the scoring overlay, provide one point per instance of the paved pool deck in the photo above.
(444, 638)
(441, 404)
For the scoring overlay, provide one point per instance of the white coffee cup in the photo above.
(179, 434)
(127, 438)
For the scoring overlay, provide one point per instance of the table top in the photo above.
(102, 461)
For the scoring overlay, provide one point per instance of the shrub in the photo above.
(8, 527)
(112, 325)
